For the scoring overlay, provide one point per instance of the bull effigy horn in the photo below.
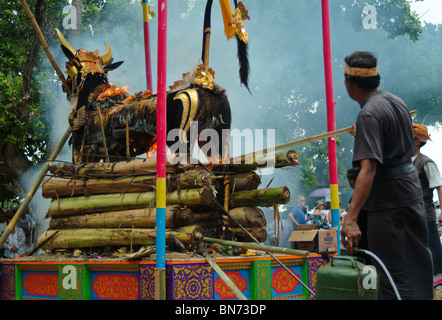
(107, 56)
(65, 43)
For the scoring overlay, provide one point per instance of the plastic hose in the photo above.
(371, 254)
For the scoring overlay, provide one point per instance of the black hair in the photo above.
(422, 143)
(363, 59)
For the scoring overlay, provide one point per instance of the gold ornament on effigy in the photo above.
(239, 15)
(204, 77)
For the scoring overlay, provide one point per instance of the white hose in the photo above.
(371, 254)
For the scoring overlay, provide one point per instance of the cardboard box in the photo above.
(306, 237)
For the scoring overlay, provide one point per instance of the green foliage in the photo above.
(226, 249)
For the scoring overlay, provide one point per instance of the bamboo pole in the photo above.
(117, 169)
(225, 277)
(261, 198)
(49, 235)
(299, 142)
(34, 188)
(127, 138)
(176, 216)
(111, 202)
(103, 134)
(65, 137)
(45, 46)
(292, 144)
(58, 187)
(260, 247)
(249, 217)
(102, 237)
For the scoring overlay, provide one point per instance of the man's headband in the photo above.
(360, 72)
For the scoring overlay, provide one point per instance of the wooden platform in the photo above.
(189, 277)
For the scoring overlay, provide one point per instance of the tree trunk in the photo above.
(176, 216)
(92, 238)
(260, 198)
(116, 202)
(56, 187)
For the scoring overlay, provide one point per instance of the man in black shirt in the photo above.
(386, 215)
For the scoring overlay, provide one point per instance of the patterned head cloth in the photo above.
(421, 132)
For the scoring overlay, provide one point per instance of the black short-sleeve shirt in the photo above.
(384, 132)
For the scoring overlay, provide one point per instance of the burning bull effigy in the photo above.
(108, 123)
(112, 203)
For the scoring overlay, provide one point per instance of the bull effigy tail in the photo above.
(244, 67)
(243, 55)
(233, 27)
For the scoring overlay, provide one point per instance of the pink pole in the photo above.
(161, 151)
(162, 91)
(331, 125)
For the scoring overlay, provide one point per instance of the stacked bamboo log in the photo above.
(96, 205)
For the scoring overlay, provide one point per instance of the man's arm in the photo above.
(362, 189)
(439, 193)
(435, 180)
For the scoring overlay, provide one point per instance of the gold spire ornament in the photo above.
(239, 15)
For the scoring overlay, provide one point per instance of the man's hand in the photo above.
(353, 132)
(350, 229)
(361, 191)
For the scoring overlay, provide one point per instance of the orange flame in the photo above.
(112, 91)
(152, 149)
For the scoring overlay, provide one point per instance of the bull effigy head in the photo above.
(82, 62)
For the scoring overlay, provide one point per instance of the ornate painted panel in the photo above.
(313, 264)
(257, 278)
(261, 280)
(241, 278)
(39, 285)
(190, 281)
(284, 285)
(7, 281)
(147, 281)
(114, 286)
